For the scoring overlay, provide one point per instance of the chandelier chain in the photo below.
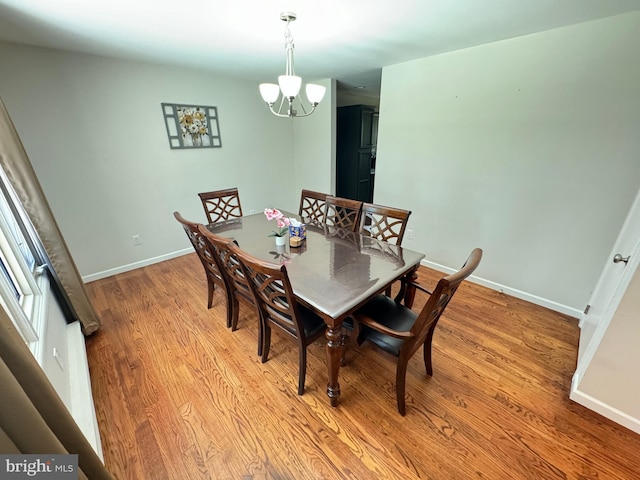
(289, 46)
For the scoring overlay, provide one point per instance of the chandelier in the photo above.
(289, 84)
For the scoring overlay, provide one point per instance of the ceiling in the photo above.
(349, 40)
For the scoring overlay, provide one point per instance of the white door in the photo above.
(615, 277)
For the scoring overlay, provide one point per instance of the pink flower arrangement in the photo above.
(282, 221)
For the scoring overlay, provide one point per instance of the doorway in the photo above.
(356, 152)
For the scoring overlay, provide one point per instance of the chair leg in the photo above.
(344, 346)
(260, 335)
(229, 308)
(302, 368)
(266, 342)
(212, 288)
(350, 340)
(401, 375)
(427, 351)
(235, 313)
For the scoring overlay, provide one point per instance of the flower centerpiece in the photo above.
(281, 221)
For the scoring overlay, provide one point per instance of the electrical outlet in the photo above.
(409, 234)
(136, 240)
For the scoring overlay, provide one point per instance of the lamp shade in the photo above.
(269, 92)
(290, 85)
(315, 93)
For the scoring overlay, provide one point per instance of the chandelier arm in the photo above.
(282, 99)
(278, 114)
(306, 114)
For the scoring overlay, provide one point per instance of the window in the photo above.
(21, 275)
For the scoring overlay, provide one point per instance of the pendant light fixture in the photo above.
(288, 86)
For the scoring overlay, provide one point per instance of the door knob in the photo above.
(617, 258)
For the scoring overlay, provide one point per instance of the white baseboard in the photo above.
(133, 266)
(543, 302)
(602, 408)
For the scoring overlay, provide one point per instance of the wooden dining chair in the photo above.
(214, 277)
(221, 205)
(278, 307)
(383, 223)
(236, 283)
(312, 205)
(400, 331)
(342, 212)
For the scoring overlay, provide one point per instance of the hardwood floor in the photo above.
(179, 396)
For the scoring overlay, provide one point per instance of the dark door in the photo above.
(354, 153)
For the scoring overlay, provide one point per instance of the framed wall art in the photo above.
(192, 126)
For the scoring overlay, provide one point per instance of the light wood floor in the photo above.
(179, 396)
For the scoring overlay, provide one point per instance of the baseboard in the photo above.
(543, 302)
(602, 408)
(132, 266)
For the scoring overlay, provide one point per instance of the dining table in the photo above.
(333, 272)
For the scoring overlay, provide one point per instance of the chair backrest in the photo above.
(228, 263)
(221, 204)
(201, 247)
(384, 223)
(342, 212)
(440, 298)
(312, 205)
(272, 292)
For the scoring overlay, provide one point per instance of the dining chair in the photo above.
(400, 331)
(214, 277)
(236, 283)
(312, 205)
(278, 307)
(342, 212)
(221, 204)
(384, 223)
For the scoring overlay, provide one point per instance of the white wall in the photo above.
(314, 148)
(528, 148)
(94, 131)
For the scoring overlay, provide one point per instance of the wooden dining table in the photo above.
(333, 272)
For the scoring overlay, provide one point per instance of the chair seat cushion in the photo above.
(311, 322)
(387, 312)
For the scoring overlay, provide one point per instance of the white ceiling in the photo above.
(350, 40)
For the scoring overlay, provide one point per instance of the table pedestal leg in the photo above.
(334, 356)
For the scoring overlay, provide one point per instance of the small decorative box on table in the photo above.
(297, 233)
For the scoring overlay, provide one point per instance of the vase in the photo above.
(196, 139)
(280, 240)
